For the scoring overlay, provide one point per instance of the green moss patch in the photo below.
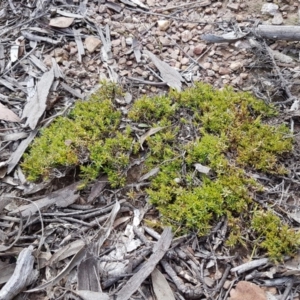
(223, 130)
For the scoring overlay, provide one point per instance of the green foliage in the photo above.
(90, 130)
(222, 130)
(152, 109)
(274, 236)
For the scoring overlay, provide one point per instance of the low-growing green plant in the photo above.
(273, 235)
(88, 137)
(220, 129)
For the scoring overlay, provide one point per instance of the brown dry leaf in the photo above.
(245, 290)
(8, 115)
(61, 22)
(148, 133)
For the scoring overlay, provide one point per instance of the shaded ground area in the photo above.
(110, 241)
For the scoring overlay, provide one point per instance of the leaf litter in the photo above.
(100, 234)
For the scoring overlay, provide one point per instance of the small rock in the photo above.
(48, 61)
(129, 41)
(59, 52)
(207, 28)
(215, 67)
(91, 68)
(174, 54)
(209, 281)
(164, 41)
(235, 65)
(150, 2)
(145, 74)
(186, 36)
(185, 61)
(239, 18)
(210, 73)
(237, 81)
(73, 50)
(122, 61)
(233, 6)
(115, 43)
(199, 49)
(269, 9)
(150, 47)
(92, 43)
(224, 71)
(206, 65)
(163, 25)
(177, 65)
(277, 19)
(138, 71)
(244, 75)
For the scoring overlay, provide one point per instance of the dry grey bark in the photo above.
(23, 275)
(273, 32)
(288, 33)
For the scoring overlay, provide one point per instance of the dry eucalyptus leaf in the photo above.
(168, 74)
(90, 295)
(148, 133)
(36, 104)
(161, 286)
(283, 58)
(151, 173)
(8, 115)
(61, 22)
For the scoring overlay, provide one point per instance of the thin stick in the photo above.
(197, 3)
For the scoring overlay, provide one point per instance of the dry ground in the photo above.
(106, 40)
